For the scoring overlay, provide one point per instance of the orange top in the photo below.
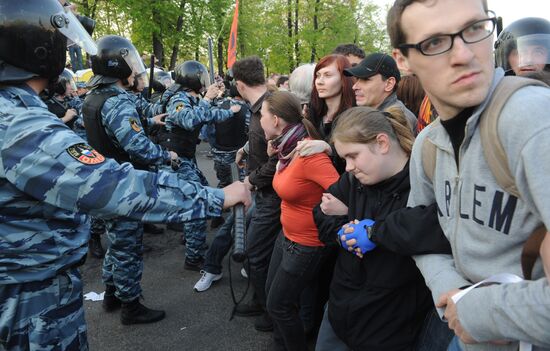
(300, 186)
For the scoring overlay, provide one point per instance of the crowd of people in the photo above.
(392, 201)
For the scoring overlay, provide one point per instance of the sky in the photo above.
(509, 10)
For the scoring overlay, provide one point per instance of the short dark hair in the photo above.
(349, 49)
(281, 81)
(249, 70)
(394, 25)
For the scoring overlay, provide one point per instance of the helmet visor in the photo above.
(142, 80)
(533, 51)
(204, 78)
(135, 63)
(67, 23)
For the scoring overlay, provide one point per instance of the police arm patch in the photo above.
(85, 154)
(135, 125)
(179, 107)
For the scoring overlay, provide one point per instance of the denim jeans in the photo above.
(292, 268)
(262, 233)
(454, 345)
(327, 340)
(75, 53)
(222, 243)
(435, 334)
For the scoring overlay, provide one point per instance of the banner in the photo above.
(232, 48)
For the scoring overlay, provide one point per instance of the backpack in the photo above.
(496, 158)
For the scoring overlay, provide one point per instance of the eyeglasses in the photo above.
(440, 44)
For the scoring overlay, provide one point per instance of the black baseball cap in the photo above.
(374, 64)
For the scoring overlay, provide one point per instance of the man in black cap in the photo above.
(377, 78)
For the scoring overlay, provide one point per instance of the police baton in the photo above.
(239, 226)
(211, 62)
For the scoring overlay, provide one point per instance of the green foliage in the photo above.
(263, 27)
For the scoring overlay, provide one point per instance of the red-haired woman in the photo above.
(331, 95)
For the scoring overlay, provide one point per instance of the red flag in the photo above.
(232, 48)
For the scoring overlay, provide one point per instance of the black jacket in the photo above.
(260, 166)
(378, 302)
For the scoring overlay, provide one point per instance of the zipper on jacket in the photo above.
(456, 194)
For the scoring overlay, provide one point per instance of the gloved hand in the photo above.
(354, 237)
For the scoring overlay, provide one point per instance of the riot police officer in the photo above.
(62, 94)
(50, 179)
(114, 129)
(187, 113)
(524, 47)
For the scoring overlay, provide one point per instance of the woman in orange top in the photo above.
(300, 183)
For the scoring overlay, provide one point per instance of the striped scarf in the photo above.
(286, 143)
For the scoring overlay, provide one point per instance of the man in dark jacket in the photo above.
(265, 224)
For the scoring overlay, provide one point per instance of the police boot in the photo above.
(135, 313)
(94, 246)
(110, 301)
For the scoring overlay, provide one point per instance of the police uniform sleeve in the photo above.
(46, 160)
(186, 115)
(148, 109)
(217, 114)
(122, 120)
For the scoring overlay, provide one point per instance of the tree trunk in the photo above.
(296, 42)
(289, 27)
(315, 29)
(158, 46)
(175, 48)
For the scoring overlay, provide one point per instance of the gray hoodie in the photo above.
(486, 226)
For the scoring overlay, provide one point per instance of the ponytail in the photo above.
(363, 124)
(402, 128)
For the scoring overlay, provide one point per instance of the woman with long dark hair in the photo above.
(300, 183)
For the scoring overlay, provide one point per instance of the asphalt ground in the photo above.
(194, 321)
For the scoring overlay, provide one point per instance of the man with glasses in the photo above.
(448, 45)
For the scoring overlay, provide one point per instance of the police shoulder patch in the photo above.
(134, 124)
(179, 107)
(85, 154)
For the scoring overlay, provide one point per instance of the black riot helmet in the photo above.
(66, 77)
(192, 75)
(524, 46)
(116, 59)
(164, 78)
(33, 39)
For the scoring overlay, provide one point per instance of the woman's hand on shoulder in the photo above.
(313, 147)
